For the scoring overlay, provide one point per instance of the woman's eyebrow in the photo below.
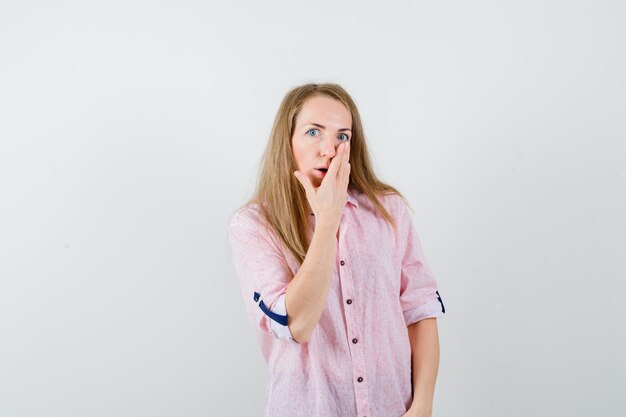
(324, 127)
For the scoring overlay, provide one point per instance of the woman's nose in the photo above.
(328, 147)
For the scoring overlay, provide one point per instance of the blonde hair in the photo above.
(280, 196)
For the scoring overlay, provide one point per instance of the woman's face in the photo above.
(322, 124)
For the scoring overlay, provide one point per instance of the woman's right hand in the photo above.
(328, 200)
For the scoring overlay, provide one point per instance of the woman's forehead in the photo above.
(326, 111)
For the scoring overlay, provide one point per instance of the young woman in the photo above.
(332, 272)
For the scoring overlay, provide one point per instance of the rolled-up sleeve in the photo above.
(419, 295)
(263, 276)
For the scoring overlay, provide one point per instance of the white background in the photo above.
(129, 131)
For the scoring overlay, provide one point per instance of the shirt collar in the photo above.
(352, 198)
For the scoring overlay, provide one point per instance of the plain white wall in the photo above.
(129, 131)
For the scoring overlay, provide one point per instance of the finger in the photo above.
(305, 182)
(345, 178)
(344, 170)
(335, 164)
(346, 160)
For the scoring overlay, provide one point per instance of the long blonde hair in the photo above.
(280, 196)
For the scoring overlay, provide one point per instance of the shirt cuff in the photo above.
(281, 331)
(433, 308)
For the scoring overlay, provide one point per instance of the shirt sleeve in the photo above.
(263, 277)
(419, 295)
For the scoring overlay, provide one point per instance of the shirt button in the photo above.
(349, 301)
(360, 379)
(342, 263)
(355, 340)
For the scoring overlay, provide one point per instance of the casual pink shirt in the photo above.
(357, 362)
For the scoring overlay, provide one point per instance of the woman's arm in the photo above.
(424, 338)
(308, 290)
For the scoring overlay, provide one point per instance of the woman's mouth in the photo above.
(322, 171)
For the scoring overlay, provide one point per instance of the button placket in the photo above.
(353, 327)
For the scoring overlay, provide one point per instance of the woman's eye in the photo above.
(345, 137)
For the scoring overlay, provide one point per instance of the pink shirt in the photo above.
(357, 362)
